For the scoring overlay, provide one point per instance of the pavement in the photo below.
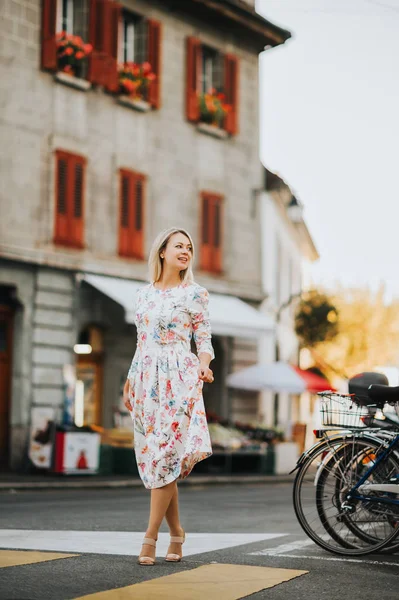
(242, 540)
(51, 481)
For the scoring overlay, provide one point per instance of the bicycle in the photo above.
(343, 497)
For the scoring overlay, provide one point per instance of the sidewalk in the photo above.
(10, 482)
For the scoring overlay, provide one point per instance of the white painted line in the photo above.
(351, 560)
(283, 549)
(121, 542)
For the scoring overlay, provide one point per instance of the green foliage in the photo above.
(316, 319)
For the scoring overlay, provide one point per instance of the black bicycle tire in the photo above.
(312, 535)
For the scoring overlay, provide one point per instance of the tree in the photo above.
(316, 319)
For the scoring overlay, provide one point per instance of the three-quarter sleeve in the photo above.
(199, 313)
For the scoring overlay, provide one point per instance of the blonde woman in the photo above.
(163, 390)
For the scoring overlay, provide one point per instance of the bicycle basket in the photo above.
(340, 411)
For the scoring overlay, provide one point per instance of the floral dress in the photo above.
(170, 428)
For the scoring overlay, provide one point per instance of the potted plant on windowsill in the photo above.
(134, 81)
(72, 53)
(213, 111)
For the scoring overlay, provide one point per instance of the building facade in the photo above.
(92, 167)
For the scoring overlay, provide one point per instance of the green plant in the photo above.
(213, 109)
(134, 79)
(71, 52)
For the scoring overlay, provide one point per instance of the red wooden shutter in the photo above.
(61, 198)
(231, 91)
(49, 47)
(69, 209)
(211, 232)
(111, 33)
(193, 69)
(131, 214)
(103, 35)
(154, 58)
(124, 213)
(77, 198)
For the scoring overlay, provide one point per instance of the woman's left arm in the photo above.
(199, 313)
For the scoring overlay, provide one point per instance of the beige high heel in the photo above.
(177, 540)
(146, 561)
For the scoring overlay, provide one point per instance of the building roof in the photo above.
(238, 16)
(274, 183)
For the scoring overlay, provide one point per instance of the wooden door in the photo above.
(6, 329)
(89, 370)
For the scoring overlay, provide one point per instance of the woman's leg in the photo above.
(173, 520)
(160, 500)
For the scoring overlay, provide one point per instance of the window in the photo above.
(69, 199)
(131, 214)
(208, 69)
(211, 71)
(211, 232)
(133, 38)
(72, 17)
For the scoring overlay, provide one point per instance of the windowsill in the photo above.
(139, 105)
(71, 81)
(212, 130)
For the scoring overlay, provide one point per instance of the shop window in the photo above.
(211, 86)
(131, 214)
(211, 232)
(69, 199)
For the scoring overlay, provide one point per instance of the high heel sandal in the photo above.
(147, 561)
(176, 540)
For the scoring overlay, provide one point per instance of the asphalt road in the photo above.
(238, 521)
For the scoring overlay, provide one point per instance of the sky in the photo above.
(330, 129)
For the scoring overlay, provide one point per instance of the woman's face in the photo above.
(178, 252)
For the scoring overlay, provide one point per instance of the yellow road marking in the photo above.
(15, 558)
(212, 582)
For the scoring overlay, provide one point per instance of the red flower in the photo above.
(146, 68)
(87, 48)
(79, 55)
(175, 425)
(68, 51)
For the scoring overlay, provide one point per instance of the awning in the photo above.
(314, 383)
(276, 377)
(229, 315)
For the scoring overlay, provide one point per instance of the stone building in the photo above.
(90, 173)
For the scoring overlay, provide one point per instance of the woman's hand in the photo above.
(205, 373)
(126, 401)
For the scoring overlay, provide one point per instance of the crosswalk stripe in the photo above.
(212, 582)
(15, 558)
(126, 543)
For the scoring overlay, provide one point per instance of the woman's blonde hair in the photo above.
(155, 263)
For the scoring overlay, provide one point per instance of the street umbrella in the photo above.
(276, 377)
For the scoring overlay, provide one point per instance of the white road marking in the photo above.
(341, 559)
(121, 542)
(283, 549)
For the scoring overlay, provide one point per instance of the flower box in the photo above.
(134, 103)
(212, 130)
(72, 81)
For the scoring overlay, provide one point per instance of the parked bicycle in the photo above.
(346, 491)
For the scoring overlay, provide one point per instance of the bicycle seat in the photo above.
(383, 393)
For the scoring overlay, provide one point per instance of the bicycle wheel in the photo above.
(320, 489)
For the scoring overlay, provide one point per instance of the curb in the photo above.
(63, 484)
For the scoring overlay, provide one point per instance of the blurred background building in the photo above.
(92, 167)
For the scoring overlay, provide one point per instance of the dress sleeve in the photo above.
(199, 313)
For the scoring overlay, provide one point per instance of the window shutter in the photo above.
(111, 33)
(211, 232)
(124, 214)
(154, 58)
(103, 35)
(131, 217)
(69, 205)
(193, 68)
(231, 91)
(61, 199)
(76, 203)
(49, 47)
(206, 232)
